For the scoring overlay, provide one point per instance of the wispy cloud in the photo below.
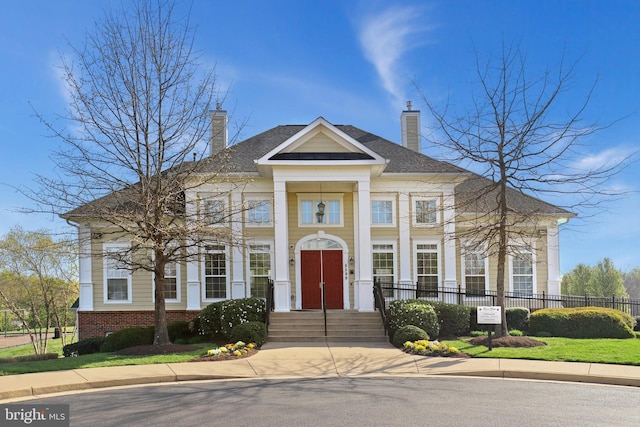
(385, 37)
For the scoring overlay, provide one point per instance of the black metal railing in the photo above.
(324, 307)
(381, 305)
(268, 303)
(475, 297)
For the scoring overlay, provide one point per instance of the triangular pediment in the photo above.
(320, 143)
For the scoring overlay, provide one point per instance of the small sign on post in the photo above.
(490, 315)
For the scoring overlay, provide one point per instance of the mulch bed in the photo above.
(149, 350)
(507, 341)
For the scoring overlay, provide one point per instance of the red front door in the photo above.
(317, 266)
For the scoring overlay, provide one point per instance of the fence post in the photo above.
(544, 300)
(459, 295)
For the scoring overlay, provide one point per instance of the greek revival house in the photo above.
(326, 203)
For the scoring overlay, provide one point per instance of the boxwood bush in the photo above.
(408, 333)
(518, 318)
(453, 319)
(179, 330)
(584, 322)
(413, 312)
(250, 332)
(129, 337)
(85, 346)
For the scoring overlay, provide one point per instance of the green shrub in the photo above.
(518, 318)
(584, 322)
(413, 312)
(250, 332)
(477, 333)
(236, 311)
(515, 333)
(129, 337)
(452, 318)
(636, 325)
(179, 329)
(408, 333)
(85, 346)
(209, 319)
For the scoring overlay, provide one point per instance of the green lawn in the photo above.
(88, 361)
(616, 351)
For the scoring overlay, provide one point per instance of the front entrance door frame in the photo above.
(345, 270)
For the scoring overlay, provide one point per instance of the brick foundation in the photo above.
(98, 323)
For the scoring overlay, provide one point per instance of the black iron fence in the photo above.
(460, 296)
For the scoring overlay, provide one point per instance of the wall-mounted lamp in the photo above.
(350, 260)
(292, 261)
(320, 213)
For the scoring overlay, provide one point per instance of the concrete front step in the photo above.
(342, 326)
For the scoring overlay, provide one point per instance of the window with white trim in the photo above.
(171, 273)
(259, 213)
(259, 269)
(426, 211)
(215, 272)
(117, 275)
(382, 211)
(309, 209)
(384, 267)
(427, 270)
(475, 272)
(214, 211)
(522, 272)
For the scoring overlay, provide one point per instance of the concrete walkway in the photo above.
(305, 360)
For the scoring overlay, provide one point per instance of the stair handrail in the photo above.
(268, 303)
(381, 305)
(324, 307)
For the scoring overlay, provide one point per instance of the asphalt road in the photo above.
(357, 402)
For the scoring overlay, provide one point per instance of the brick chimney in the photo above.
(219, 131)
(410, 127)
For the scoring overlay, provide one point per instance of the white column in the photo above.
(363, 239)
(553, 261)
(193, 277)
(281, 282)
(84, 272)
(450, 259)
(404, 240)
(237, 261)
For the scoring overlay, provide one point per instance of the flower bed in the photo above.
(430, 348)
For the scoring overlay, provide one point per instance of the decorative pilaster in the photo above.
(364, 259)
(554, 275)
(281, 282)
(238, 289)
(84, 272)
(449, 226)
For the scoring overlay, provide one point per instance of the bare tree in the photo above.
(139, 126)
(522, 143)
(39, 282)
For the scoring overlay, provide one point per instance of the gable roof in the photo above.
(241, 157)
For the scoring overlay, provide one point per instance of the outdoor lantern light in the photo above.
(320, 213)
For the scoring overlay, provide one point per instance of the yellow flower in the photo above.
(237, 353)
(251, 345)
(224, 349)
(240, 344)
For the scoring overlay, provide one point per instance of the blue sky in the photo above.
(351, 62)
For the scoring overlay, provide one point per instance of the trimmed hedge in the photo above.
(584, 322)
(85, 346)
(250, 332)
(413, 312)
(453, 319)
(179, 329)
(408, 333)
(518, 318)
(209, 319)
(129, 337)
